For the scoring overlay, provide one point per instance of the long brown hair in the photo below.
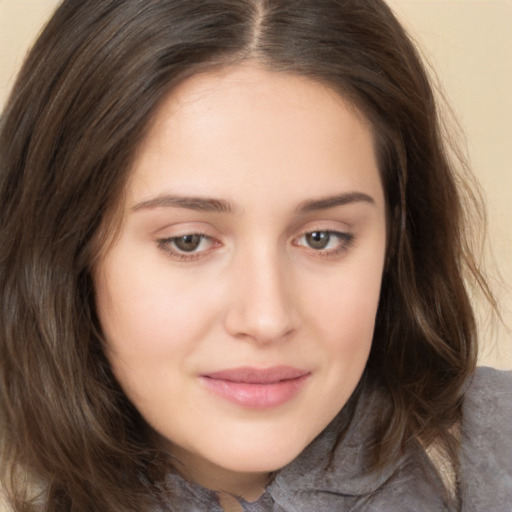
(78, 111)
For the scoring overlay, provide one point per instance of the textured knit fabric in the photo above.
(330, 475)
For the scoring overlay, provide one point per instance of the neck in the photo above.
(228, 503)
(227, 483)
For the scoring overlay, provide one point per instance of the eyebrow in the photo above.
(324, 203)
(206, 204)
(203, 204)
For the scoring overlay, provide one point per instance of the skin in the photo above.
(254, 292)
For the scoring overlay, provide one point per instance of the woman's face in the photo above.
(238, 302)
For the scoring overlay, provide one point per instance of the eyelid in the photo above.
(165, 241)
(346, 240)
(165, 236)
(166, 245)
(181, 228)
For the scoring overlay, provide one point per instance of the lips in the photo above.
(257, 388)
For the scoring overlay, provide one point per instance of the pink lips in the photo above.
(257, 388)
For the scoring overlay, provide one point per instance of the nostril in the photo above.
(263, 323)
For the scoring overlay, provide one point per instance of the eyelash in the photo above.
(166, 245)
(345, 241)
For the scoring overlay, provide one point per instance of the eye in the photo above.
(187, 247)
(318, 239)
(188, 243)
(325, 242)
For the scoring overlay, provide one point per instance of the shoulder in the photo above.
(487, 406)
(485, 477)
(489, 382)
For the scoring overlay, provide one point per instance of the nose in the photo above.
(261, 303)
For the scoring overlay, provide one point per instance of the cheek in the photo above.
(149, 333)
(344, 318)
(348, 306)
(150, 321)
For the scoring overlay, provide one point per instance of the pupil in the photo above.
(318, 239)
(188, 243)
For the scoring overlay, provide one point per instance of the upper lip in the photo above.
(250, 375)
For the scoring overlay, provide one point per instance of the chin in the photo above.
(259, 458)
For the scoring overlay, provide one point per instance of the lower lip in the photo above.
(256, 396)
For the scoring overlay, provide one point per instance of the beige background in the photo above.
(469, 44)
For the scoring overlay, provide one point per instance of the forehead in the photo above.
(249, 129)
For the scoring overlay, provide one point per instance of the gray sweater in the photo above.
(330, 475)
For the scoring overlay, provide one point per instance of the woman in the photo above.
(232, 259)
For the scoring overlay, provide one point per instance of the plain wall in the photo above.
(469, 44)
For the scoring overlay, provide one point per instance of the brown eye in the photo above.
(318, 239)
(189, 247)
(188, 243)
(325, 243)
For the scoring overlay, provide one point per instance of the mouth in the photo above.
(256, 388)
